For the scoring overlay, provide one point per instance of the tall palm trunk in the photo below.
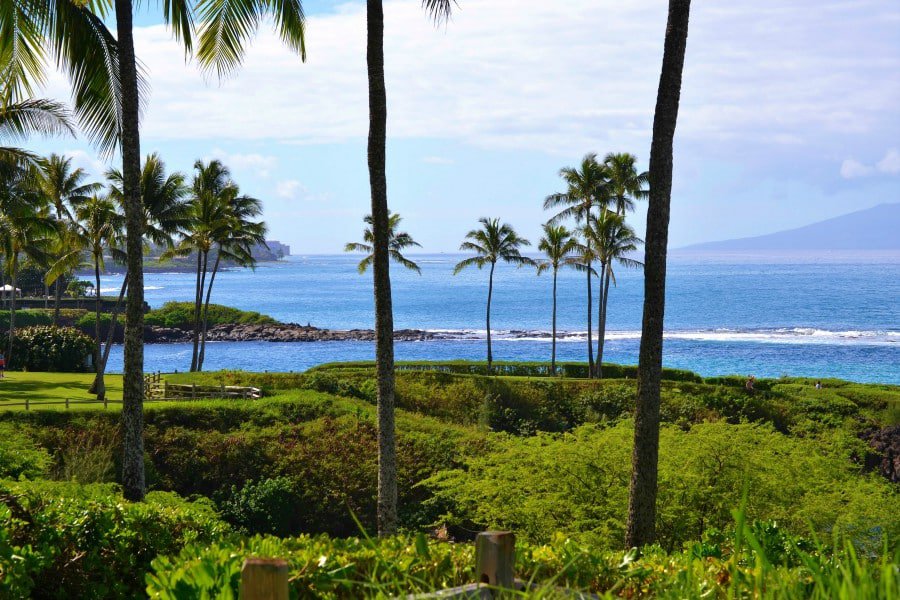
(205, 319)
(133, 486)
(490, 355)
(57, 297)
(198, 302)
(110, 333)
(589, 325)
(384, 317)
(601, 335)
(13, 276)
(99, 385)
(641, 528)
(597, 367)
(553, 341)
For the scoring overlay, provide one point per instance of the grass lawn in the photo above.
(43, 387)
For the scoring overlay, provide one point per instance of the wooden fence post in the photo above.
(67, 404)
(26, 403)
(264, 579)
(193, 391)
(495, 558)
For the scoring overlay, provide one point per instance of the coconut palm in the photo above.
(25, 229)
(584, 192)
(64, 186)
(613, 240)
(641, 526)
(384, 316)
(399, 241)
(19, 120)
(235, 241)
(165, 216)
(494, 242)
(624, 185)
(98, 228)
(559, 245)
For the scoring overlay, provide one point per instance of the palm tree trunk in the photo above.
(601, 341)
(641, 528)
(198, 299)
(490, 355)
(133, 486)
(589, 325)
(113, 322)
(384, 317)
(599, 318)
(57, 297)
(14, 268)
(205, 319)
(553, 341)
(99, 385)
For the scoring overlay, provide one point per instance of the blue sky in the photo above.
(788, 114)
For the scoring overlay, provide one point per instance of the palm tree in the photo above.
(641, 527)
(624, 184)
(399, 241)
(99, 226)
(165, 216)
(64, 187)
(584, 188)
(493, 242)
(559, 245)
(235, 240)
(19, 120)
(25, 229)
(384, 316)
(613, 240)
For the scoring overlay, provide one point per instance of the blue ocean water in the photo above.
(817, 316)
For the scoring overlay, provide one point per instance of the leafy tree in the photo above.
(384, 314)
(399, 241)
(494, 242)
(613, 241)
(645, 458)
(559, 245)
(584, 191)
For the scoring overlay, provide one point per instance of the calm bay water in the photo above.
(832, 316)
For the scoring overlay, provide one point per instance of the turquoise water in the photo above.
(831, 316)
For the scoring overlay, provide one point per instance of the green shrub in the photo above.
(268, 506)
(26, 318)
(71, 541)
(20, 457)
(181, 315)
(48, 348)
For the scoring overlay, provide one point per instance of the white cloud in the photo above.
(438, 160)
(257, 164)
(890, 163)
(290, 189)
(89, 162)
(549, 75)
(851, 168)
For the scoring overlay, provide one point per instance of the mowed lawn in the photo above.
(54, 387)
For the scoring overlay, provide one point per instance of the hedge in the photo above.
(48, 348)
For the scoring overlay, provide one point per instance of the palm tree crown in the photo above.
(584, 190)
(494, 242)
(624, 184)
(398, 241)
(559, 245)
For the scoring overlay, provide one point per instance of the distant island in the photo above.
(273, 250)
(872, 229)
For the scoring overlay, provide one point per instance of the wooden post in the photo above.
(165, 389)
(105, 401)
(193, 391)
(264, 579)
(67, 404)
(495, 558)
(26, 403)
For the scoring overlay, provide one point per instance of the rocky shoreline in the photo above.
(282, 332)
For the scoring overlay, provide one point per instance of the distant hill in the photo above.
(876, 228)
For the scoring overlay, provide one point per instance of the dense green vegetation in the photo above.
(180, 315)
(547, 458)
(50, 348)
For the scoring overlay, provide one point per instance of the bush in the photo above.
(20, 457)
(26, 318)
(267, 506)
(71, 541)
(180, 315)
(59, 349)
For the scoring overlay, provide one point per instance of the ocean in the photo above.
(767, 315)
